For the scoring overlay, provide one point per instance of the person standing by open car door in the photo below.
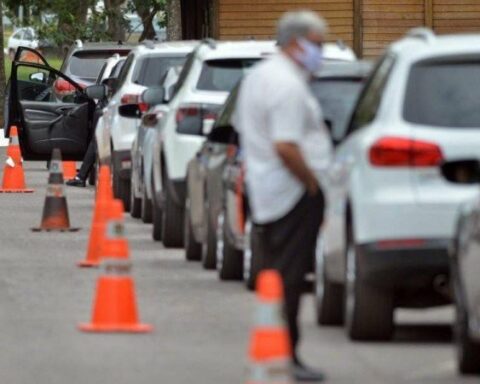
(286, 148)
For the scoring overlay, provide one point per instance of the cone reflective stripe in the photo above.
(55, 215)
(13, 175)
(69, 170)
(115, 307)
(270, 349)
(104, 210)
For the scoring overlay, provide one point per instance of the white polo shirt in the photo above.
(276, 104)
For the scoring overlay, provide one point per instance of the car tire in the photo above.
(368, 310)
(468, 351)
(252, 257)
(193, 249)
(157, 216)
(229, 259)
(172, 221)
(328, 295)
(135, 202)
(146, 207)
(121, 189)
(209, 247)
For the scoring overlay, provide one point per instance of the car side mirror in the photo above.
(38, 77)
(97, 92)
(154, 96)
(130, 110)
(462, 171)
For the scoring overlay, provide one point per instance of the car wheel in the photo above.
(135, 203)
(252, 261)
(468, 351)
(121, 189)
(368, 310)
(328, 295)
(229, 259)
(157, 217)
(146, 207)
(209, 247)
(193, 249)
(172, 221)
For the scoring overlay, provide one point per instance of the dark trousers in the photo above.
(88, 161)
(288, 245)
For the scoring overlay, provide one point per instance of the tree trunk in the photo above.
(116, 27)
(2, 70)
(174, 20)
(147, 14)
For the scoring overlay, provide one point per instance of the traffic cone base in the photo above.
(115, 308)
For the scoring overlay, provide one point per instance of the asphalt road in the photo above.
(201, 325)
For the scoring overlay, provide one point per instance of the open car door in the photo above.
(46, 119)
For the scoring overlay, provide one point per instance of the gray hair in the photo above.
(299, 24)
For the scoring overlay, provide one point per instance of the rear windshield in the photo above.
(223, 75)
(444, 94)
(337, 98)
(88, 65)
(153, 69)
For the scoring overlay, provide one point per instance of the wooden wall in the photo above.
(366, 25)
(252, 18)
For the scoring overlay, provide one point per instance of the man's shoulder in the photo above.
(273, 72)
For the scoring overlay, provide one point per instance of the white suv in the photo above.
(204, 84)
(391, 216)
(145, 66)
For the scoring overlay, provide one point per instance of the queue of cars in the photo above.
(398, 231)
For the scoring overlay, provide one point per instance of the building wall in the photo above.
(367, 25)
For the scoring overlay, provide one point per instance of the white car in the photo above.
(22, 37)
(204, 84)
(391, 215)
(145, 66)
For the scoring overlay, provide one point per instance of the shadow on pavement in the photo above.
(423, 333)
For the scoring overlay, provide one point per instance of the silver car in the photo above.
(465, 268)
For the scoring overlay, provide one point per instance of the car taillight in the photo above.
(193, 118)
(404, 152)
(130, 98)
(151, 119)
(63, 87)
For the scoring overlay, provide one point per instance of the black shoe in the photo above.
(303, 374)
(76, 182)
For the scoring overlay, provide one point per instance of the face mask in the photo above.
(312, 56)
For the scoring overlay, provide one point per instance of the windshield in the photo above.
(88, 65)
(223, 75)
(152, 70)
(444, 94)
(337, 98)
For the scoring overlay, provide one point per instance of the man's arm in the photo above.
(293, 159)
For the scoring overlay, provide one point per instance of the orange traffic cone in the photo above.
(115, 308)
(69, 170)
(102, 211)
(13, 175)
(270, 349)
(55, 210)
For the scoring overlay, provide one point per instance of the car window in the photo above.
(117, 68)
(102, 73)
(43, 85)
(28, 35)
(151, 70)
(184, 73)
(444, 94)
(371, 97)
(18, 35)
(223, 75)
(337, 98)
(87, 64)
(122, 77)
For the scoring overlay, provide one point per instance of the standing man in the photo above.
(286, 147)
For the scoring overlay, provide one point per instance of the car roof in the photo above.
(183, 46)
(100, 46)
(211, 49)
(422, 43)
(356, 69)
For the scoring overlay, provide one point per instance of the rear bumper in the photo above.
(122, 161)
(413, 267)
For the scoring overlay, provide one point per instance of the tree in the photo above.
(147, 10)
(174, 20)
(116, 22)
(2, 68)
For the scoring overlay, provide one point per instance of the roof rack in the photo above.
(425, 34)
(210, 42)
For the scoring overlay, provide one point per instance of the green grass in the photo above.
(54, 62)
